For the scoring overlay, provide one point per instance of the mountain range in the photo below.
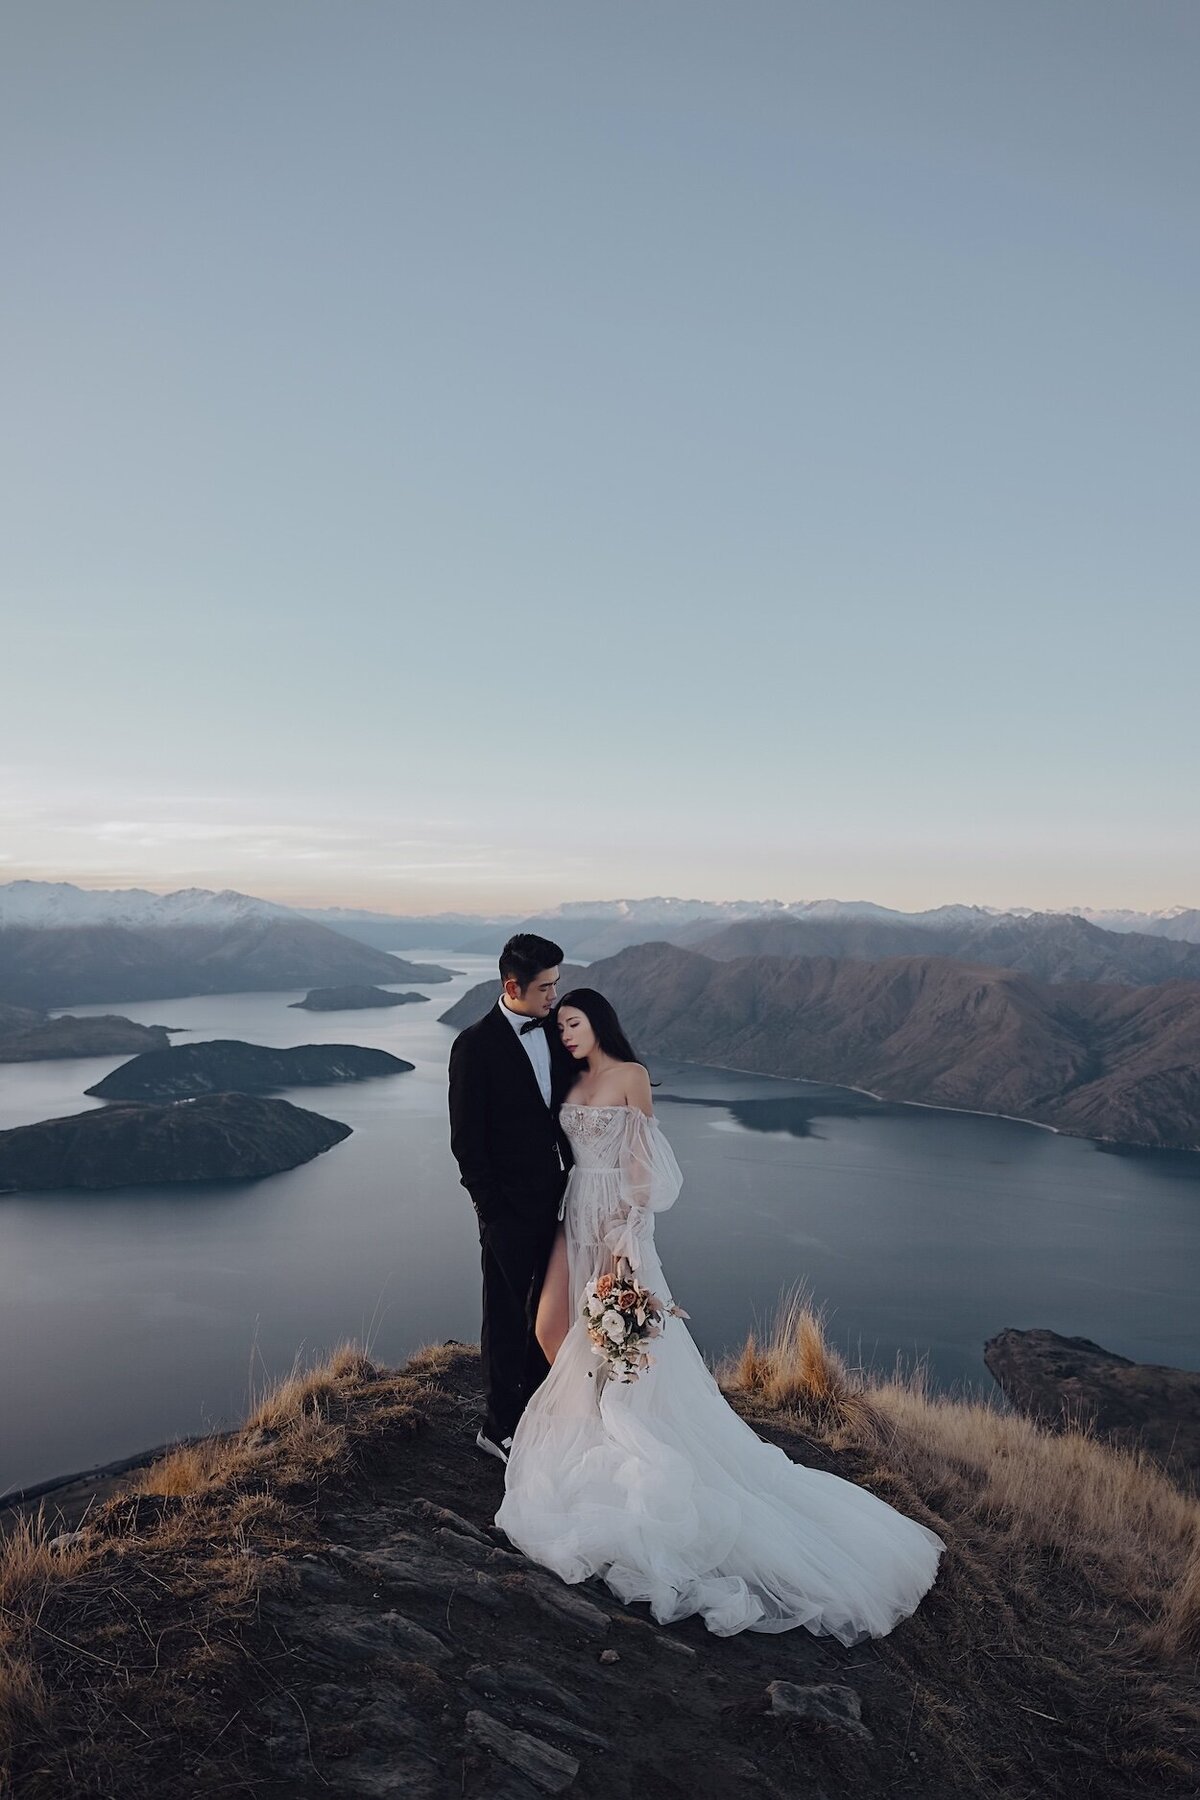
(1048, 946)
(74, 964)
(587, 927)
(861, 927)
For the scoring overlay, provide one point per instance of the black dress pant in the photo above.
(514, 1253)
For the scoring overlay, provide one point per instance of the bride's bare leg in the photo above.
(552, 1321)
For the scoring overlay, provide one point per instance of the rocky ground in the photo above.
(363, 1630)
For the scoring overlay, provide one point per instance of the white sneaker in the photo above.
(493, 1449)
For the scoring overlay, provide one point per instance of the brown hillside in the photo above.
(1114, 1062)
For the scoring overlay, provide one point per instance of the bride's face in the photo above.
(577, 1035)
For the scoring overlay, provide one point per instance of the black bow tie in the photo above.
(532, 1025)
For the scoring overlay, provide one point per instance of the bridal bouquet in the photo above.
(621, 1318)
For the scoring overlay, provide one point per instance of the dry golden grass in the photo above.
(294, 1413)
(27, 1562)
(434, 1360)
(28, 1565)
(1095, 1505)
(795, 1370)
(22, 1694)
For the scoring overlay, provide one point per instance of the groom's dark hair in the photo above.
(526, 955)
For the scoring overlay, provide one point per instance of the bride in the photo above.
(657, 1485)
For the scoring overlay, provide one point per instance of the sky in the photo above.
(477, 456)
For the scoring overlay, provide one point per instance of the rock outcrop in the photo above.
(1073, 1381)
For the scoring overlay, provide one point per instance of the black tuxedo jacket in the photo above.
(511, 1154)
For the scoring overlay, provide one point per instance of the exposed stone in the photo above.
(479, 1555)
(549, 1769)
(411, 1569)
(553, 1596)
(442, 1515)
(523, 1697)
(66, 1539)
(610, 1656)
(316, 1577)
(662, 1640)
(824, 1703)
(347, 1634)
(522, 1681)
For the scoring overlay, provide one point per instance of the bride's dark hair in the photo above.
(602, 1017)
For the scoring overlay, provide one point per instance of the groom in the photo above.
(513, 1161)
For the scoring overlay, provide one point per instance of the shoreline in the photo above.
(967, 1112)
(848, 1087)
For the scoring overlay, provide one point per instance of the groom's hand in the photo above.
(483, 1200)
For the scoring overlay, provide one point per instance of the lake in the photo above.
(132, 1316)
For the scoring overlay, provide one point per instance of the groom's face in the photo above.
(538, 998)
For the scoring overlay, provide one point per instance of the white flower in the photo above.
(613, 1325)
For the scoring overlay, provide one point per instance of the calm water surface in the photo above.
(133, 1316)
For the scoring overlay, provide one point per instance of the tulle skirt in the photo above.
(660, 1488)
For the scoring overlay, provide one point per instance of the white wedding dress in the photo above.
(657, 1485)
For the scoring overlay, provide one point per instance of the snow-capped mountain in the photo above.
(663, 910)
(1180, 922)
(660, 909)
(952, 914)
(61, 903)
(50, 904)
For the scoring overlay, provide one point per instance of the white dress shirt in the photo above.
(535, 1045)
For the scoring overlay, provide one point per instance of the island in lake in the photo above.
(29, 1035)
(353, 998)
(227, 1065)
(219, 1137)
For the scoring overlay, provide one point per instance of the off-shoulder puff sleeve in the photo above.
(650, 1181)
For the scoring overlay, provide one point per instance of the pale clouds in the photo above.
(279, 850)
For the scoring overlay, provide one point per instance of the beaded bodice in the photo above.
(595, 1133)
